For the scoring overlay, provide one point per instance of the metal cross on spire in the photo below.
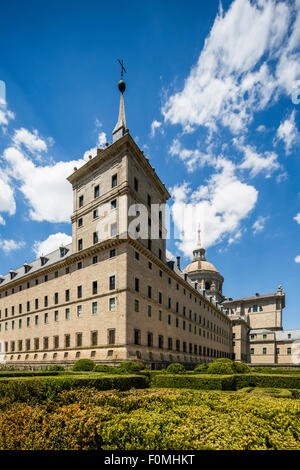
(122, 68)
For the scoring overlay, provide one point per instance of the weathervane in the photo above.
(122, 68)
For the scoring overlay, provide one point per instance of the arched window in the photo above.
(207, 286)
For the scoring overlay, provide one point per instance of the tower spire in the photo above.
(199, 251)
(121, 128)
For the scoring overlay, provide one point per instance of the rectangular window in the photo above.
(111, 336)
(277, 350)
(45, 342)
(95, 237)
(67, 295)
(79, 265)
(136, 306)
(36, 320)
(95, 287)
(289, 351)
(56, 342)
(113, 204)
(160, 315)
(149, 311)
(67, 341)
(112, 253)
(94, 338)
(96, 191)
(95, 259)
(28, 321)
(36, 343)
(80, 245)
(79, 310)
(264, 350)
(170, 344)
(46, 318)
(160, 341)
(136, 284)
(113, 230)
(67, 314)
(137, 336)
(114, 181)
(79, 292)
(112, 304)
(95, 214)
(112, 282)
(252, 351)
(56, 298)
(27, 344)
(160, 298)
(150, 339)
(36, 304)
(56, 315)
(80, 201)
(149, 292)
(254, 308)
(94, 308)
(80, 222)
(78, 340)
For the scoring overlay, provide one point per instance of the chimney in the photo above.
(178, 261)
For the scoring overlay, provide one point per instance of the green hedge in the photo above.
(225, 382)
(196, 382)
(38, 389)
(37, 373)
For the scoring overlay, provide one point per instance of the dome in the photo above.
(199, 265)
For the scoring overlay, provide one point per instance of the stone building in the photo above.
(111, 295)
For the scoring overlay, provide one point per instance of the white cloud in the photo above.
(5, 114)
(170, 255)
(256, 162)
(52, 243)
(261, 128)
(259, 224)
(101, 141)
(297, 259)
(247, 61)
(219, 207)
(45, 188)
(288, 133)
(7, 199)
(154, 126)
(192, 158)
(11, 245)
(30, 140)
(297, 218)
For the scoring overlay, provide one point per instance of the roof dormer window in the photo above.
(43, 260)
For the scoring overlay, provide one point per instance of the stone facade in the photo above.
(108, 296)
(111, 295)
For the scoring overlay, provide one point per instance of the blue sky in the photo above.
(211, 99)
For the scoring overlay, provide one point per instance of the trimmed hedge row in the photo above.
(24, 373)
(225, 382)
(38, 389)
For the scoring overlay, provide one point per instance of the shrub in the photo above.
(130, 367)
(223, 360)
(176, 368)
(195, 382)
(218, 367)
(103, 368)
(37, 390)
(84, 365)
(241, 368)
(56, 367)
(201, 368)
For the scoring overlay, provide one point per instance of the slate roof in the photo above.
(36, 265)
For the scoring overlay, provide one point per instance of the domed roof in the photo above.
(199, 265)
(199, 262)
